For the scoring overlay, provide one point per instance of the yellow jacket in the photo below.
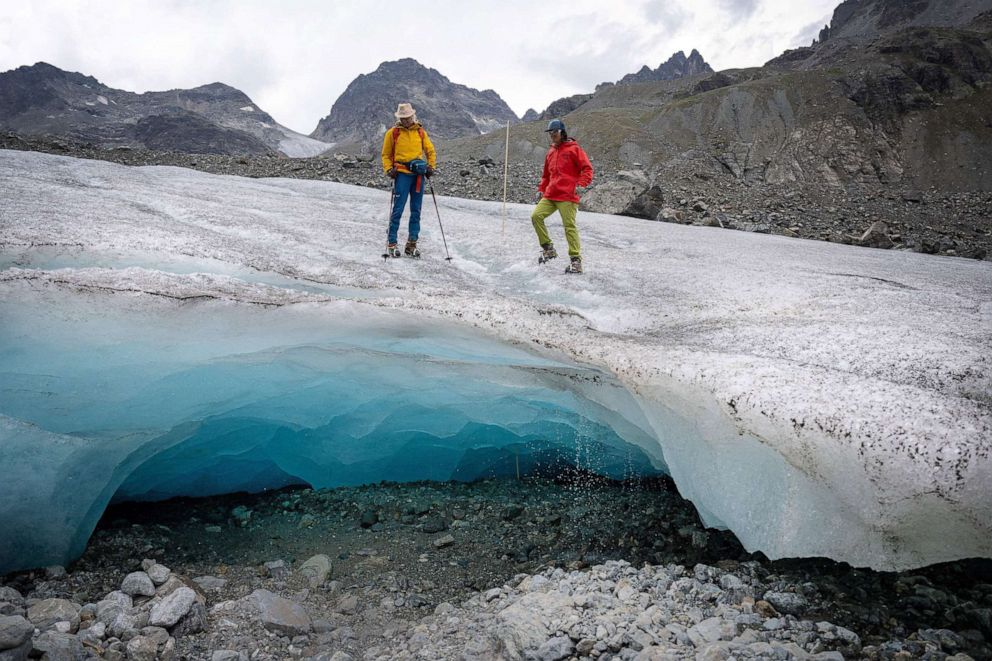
(408, 147)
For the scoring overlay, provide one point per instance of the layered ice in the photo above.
(167, 331)
(147, 398)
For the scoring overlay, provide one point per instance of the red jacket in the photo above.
(565, 167)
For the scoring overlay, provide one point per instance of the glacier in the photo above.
(168, 332)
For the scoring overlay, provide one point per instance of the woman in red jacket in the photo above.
(566, 167)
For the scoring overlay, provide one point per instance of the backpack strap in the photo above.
(396, 134)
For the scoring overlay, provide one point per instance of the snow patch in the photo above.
(248, 108)
(296, 145)
(102, 99)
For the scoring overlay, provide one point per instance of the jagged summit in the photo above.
(677, 66)
(449, 110)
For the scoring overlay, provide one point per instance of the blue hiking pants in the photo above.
(412, 186)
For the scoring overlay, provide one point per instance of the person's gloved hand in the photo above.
(539, 196)
(430, 172)
(392, 172)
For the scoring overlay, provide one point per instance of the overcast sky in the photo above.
(295, 60)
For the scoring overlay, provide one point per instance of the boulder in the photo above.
(172, 608)
(280, 615)
(647, 204)
(876, 236)
(47, 612)
(62, 646)
(138, 584)
(158, 573)
(316, 570)
(14, 632)
(610, 196)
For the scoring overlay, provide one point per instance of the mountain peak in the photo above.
(677, 66)
(449, 110)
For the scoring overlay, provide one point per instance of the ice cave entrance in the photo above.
(130, 396)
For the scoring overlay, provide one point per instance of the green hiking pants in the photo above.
(567, 211)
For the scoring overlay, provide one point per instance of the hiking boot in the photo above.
(548, 253)
(411, 249)
(575, 266)
(392, 250)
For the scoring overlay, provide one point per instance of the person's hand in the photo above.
(430, 172)
(539, 196)
(391, 173)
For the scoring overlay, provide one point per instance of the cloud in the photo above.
(738, 10)
(295, 59)
(666, 17)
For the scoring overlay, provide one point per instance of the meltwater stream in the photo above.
(130, 396)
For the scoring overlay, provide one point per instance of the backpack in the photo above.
(409, 166)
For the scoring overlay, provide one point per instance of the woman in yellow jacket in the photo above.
(405, 148)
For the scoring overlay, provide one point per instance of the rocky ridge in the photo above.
(43, 100)
(677, 66)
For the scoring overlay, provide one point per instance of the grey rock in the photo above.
(876, 236)
(45, 613)
(138, 584)
(210, 582)
(443, 541)
(711, 630)
(316, 569)
(158, 573)
(228, 655)
(281, 615)
(789, 603)
(94, 633)
(14, 631)
(11, 595)
(55, 572)
(142, 648)
(555, 649)
(172, 608)
(347, 604)
(277, 569)
(19, 653)
(194, 621)
(54, 646)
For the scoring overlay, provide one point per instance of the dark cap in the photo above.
(555, 125)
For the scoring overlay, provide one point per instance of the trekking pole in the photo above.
(389, 216)
(448, 258)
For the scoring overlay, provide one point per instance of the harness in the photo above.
(392, 158)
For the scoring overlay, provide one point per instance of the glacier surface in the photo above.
(169, 332)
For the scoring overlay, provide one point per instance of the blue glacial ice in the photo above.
(815, 399)
(107, 399)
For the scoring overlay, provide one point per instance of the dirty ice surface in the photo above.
(817, 399)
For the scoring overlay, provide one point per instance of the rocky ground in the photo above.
(930, 221)
(572, 569)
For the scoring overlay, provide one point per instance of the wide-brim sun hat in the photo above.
(405, 110)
